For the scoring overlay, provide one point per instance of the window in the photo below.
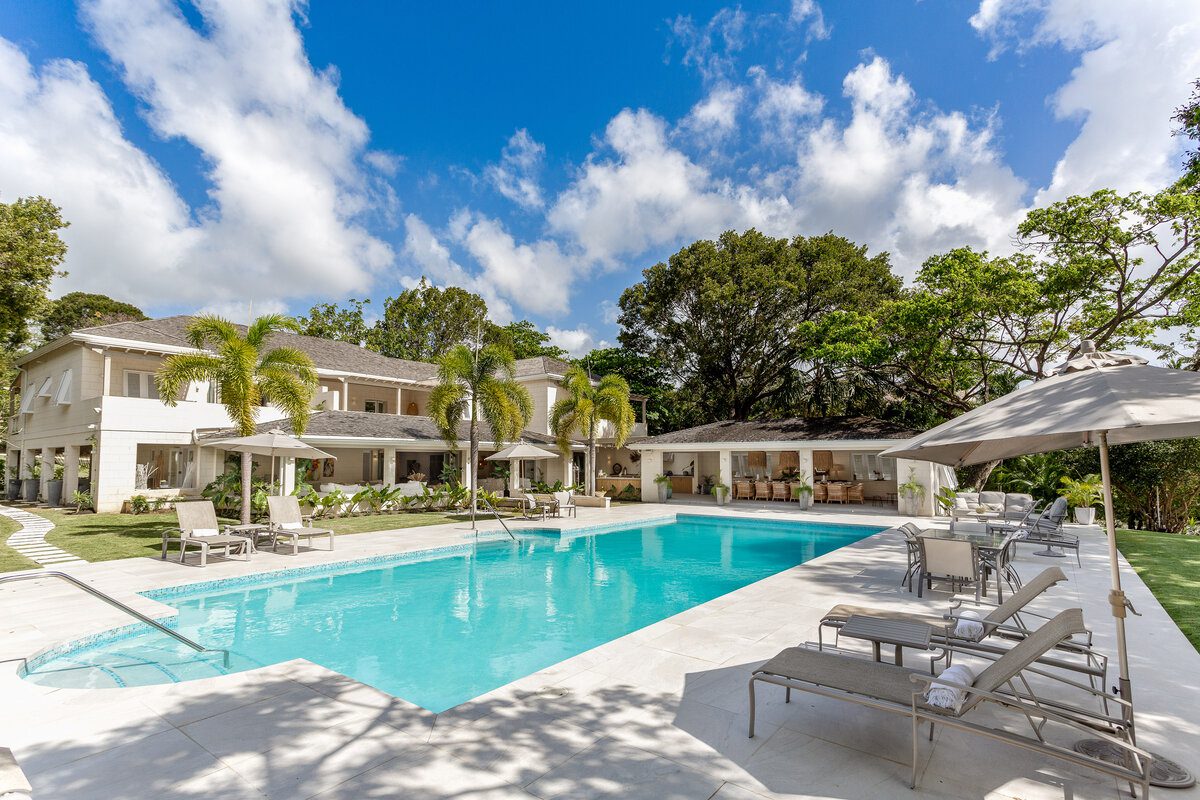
(375, 406)
(871, 467)
(140, 384)
(372, 465)
(62, 397)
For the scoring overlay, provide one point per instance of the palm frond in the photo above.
(446, 406)
(179, 370)
(262, 327)
(209, 329)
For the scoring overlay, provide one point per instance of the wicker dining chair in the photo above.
(820, 493)
(854, 493)
(779, 490)
(836, 493)
(762, 490)
(742, 490)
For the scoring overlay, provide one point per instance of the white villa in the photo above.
(90, 397)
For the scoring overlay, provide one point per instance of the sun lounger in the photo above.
(900, 690)
(198, 528)
(288, 524)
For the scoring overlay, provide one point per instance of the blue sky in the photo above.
(209, 155)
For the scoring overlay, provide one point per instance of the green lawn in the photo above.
(1169, 563)
(105, 537)
(10, 560)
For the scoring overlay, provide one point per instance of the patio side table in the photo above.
(878, 631)
(249, 532)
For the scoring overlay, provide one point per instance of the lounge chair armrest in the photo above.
(1033, 709)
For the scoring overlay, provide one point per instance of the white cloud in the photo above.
(425, 251)
(714, 118)
(576, 341)
(516, 176)
(783, 105)
(808, 13)
(536, 276)
(1136, 62)
(243, 312)
(284, 158)
(711, 47)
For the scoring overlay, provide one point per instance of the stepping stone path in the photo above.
(30, 540)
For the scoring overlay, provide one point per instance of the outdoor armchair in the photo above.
(288, 524)
(199, 528)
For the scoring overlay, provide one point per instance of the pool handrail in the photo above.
(115, 603)
(499, 519)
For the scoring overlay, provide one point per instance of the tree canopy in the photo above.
(727, 319)
(76, 310)
(425, 322)
(31, 252)
(331, 321)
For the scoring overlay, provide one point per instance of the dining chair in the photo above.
(742, 490)
(820, 493)
(954, 560)
(762, 490)
(779, 490)
(837, 493)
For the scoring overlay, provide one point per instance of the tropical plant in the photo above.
(1082, 493)
(457, 495)
(585, 408)
(224, 491)
(945, 498)
(478, 383)
(802, 486)
(331, 503)
(139, 504)
(912, 488)
(416, 477)
(490, 499)
(360, 501)
(541, 487)
(409, 502)
(247, 373)
(1039, 475)
(81, 500)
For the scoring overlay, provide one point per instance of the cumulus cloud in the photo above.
(576, 341)
(1136, 62)
(285, 159)
(432, 259)
(516, 176)
(537, 276)
(714, 118)
(783, 105)
(711, 47)
(807, 14)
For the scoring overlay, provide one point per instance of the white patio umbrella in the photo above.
(1093, 399)
(521, 451)
(274, 443)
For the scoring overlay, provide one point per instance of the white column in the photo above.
(568, 465)
(12, 459)
(399, 400)
(106, 389)
(345, 395)
(805, 466)
(726, 469)
(652, 467)
(287, 480)
(389, 462)
(70, 472)
(47, 470)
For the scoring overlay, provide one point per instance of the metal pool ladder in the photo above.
(499, 519)
(112, 601)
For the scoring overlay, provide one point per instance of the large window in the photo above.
(163, 466)
(140, 384)
(375, 406)
(872, 467)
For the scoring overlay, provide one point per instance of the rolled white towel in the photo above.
(941, 695)
(969, 625)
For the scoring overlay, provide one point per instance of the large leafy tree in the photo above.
(426, 322)
(477, 383)
(331, 321)
(523, 339)
(31, 252)
(76, 310)
(726, 319)
(1187, 118)
(585, 407)
(666, 410)
(248, 372)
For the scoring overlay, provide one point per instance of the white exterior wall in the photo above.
(652, 467)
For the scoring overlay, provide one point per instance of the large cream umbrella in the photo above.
(522, 451)
(1093, 399)
(274, 443)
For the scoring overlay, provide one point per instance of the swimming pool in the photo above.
(441, 628)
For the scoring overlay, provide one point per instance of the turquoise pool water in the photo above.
(443, 629)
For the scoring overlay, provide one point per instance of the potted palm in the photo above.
(1082, 495)
(664, 487)
(720, 493)
(802, 490)
(911, 493)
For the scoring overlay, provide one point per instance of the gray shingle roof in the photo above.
(791, 429)
(325, 353)
(362, 424)
(540, 365)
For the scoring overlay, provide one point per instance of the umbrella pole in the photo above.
(1116, 596)
(1163, 771)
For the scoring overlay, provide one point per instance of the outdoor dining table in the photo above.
(988, 543)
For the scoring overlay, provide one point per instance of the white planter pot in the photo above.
(663, 492)
(721, 496)
(1085, 516)
(804, 500)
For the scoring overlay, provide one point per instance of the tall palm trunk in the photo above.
(474, 461)
(247, 465)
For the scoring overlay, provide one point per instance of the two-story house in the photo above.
(90, 398)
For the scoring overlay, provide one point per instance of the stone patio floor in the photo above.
(657, 714)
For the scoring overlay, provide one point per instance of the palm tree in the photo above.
(246, 375)
(585, 408)
(478, 383)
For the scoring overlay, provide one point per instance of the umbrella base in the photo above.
(1048, 553)
(1164, 772)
